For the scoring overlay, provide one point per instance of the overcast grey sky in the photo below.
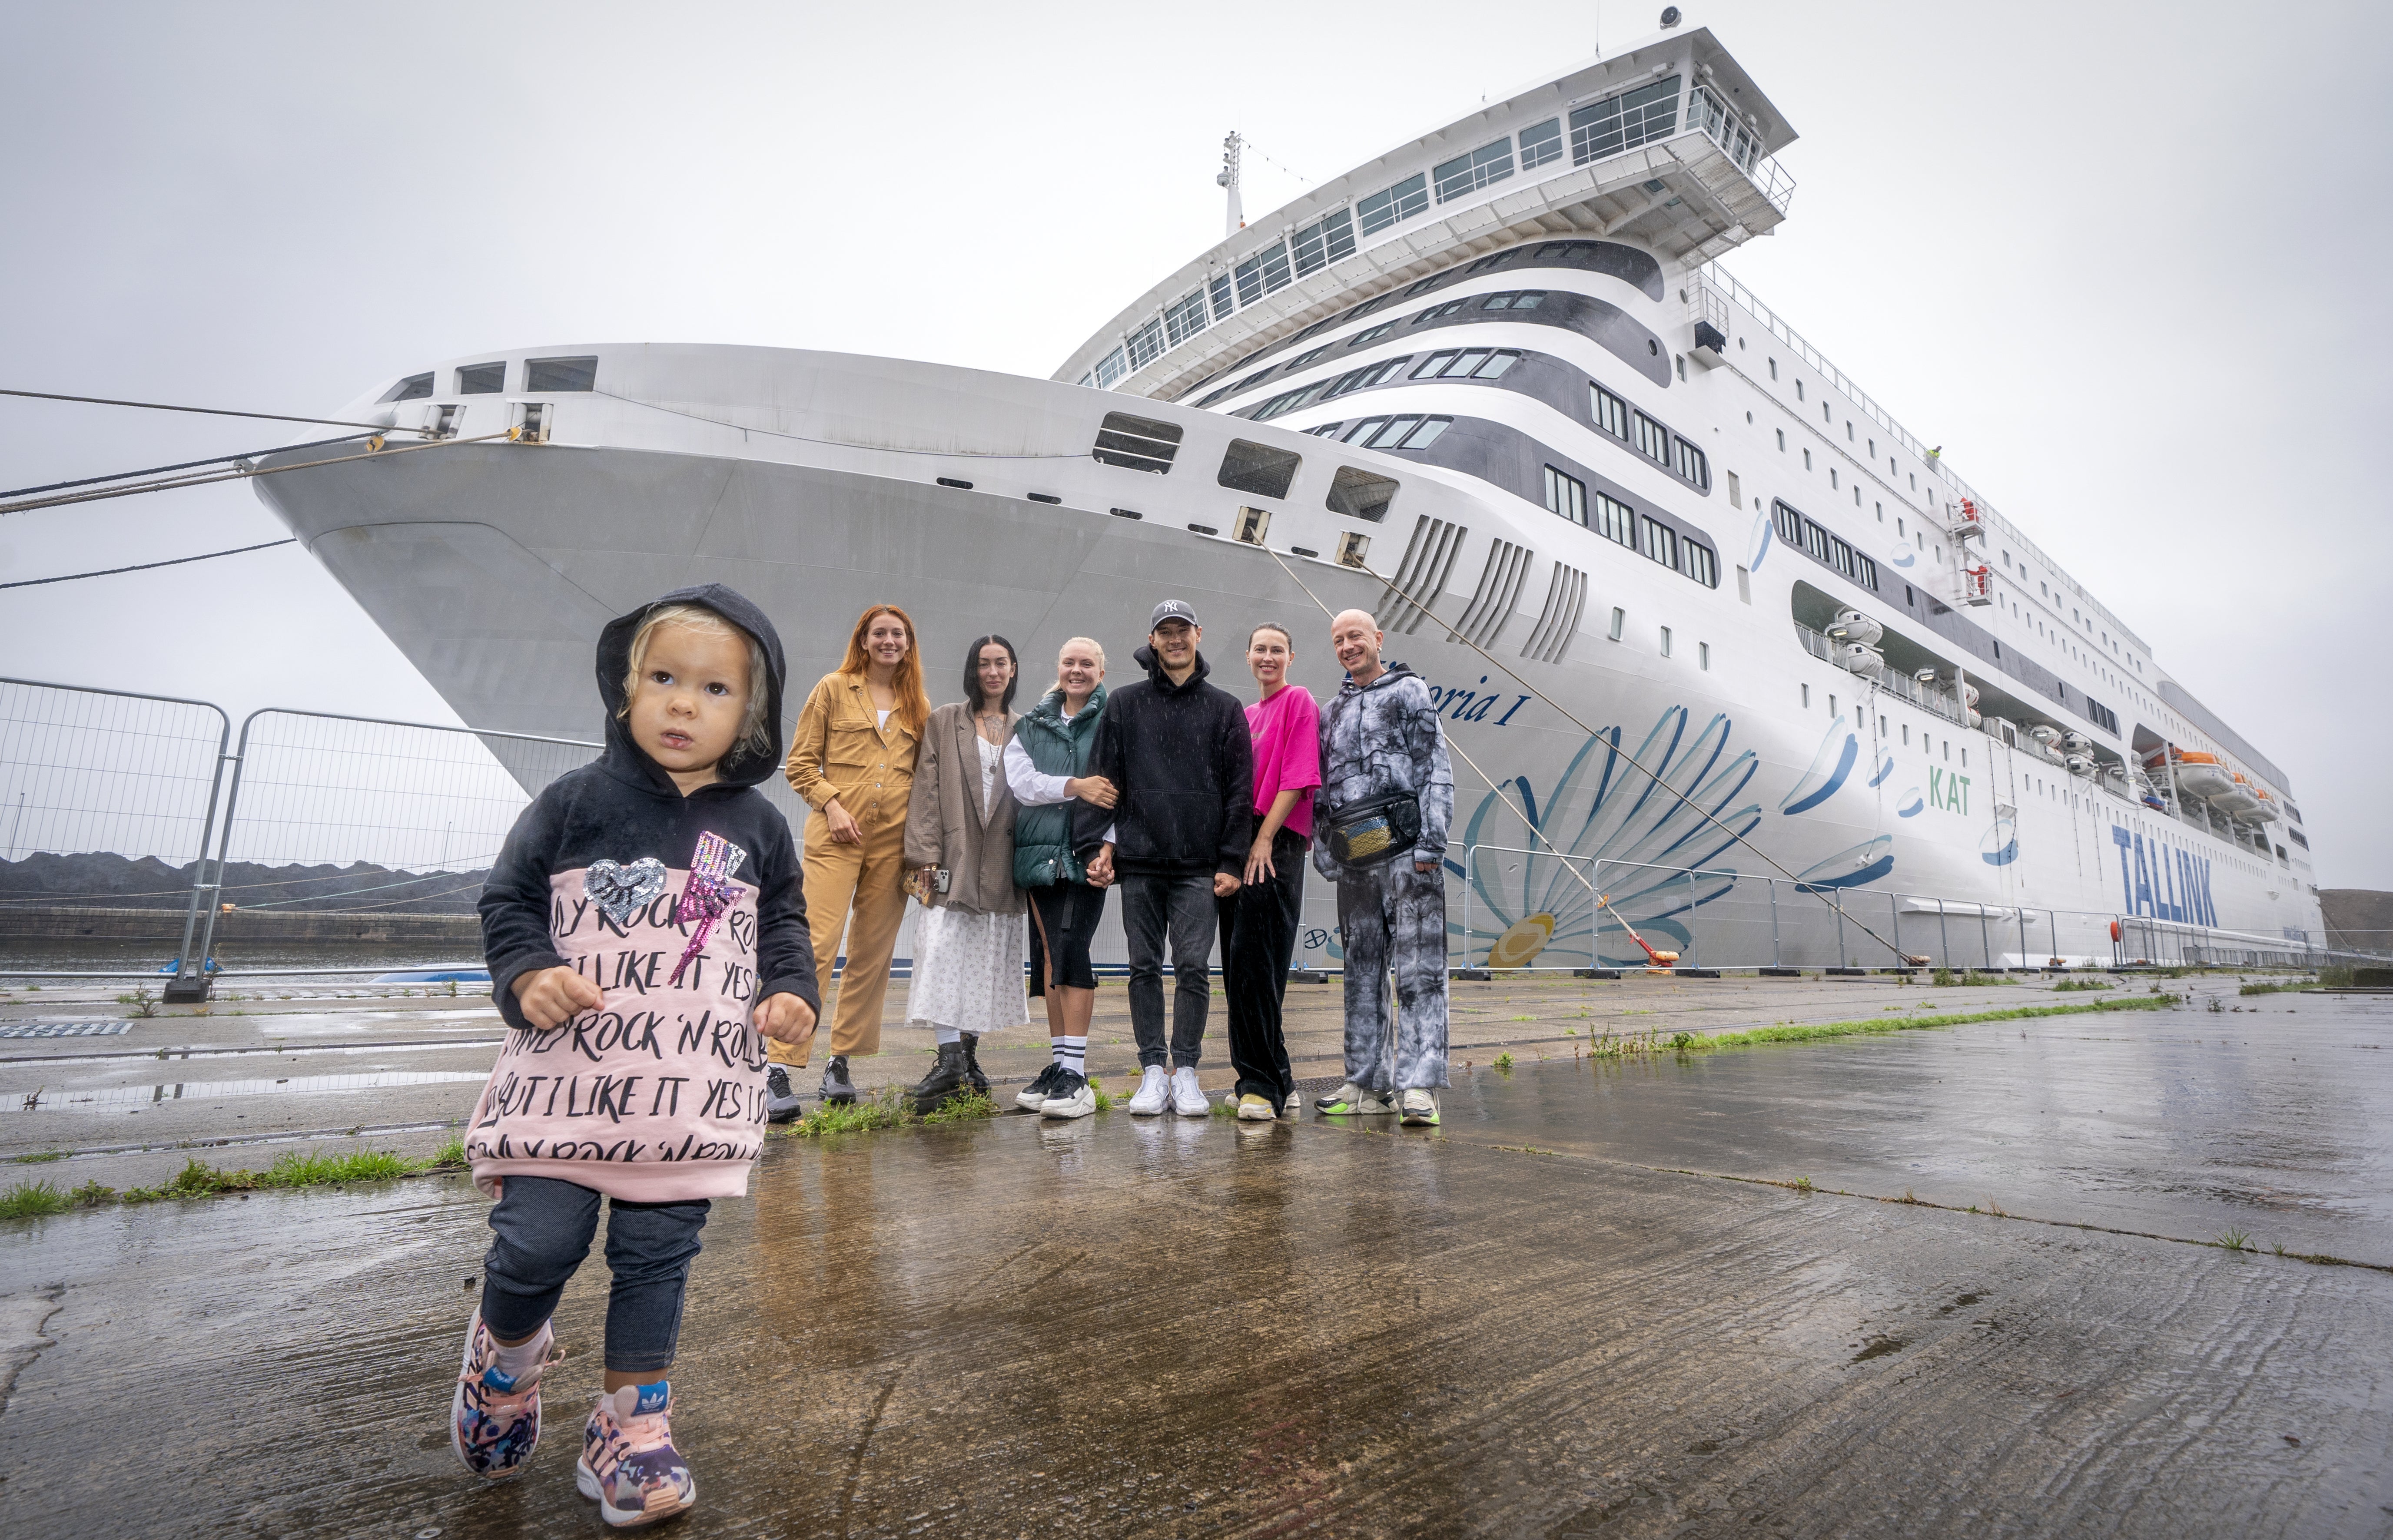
(2113, 258)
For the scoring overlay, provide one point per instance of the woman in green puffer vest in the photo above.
(1054, 836)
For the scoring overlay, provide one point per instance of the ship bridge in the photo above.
(1666, 144)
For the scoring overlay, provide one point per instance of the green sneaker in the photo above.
(1419, 1110)
(1352, 1100)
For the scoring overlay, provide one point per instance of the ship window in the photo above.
(1325, 430)
(1392, 435)
(1541, 142)
(1109, 369)
(1699, 563)
(1363, 430)
(1565, 495)
(1258, 469)
(1424, 435)
(1373, 334)
(1327, 239)
(1217, 396)
(1497, 362)
(1136, 443)
(1434, 365)
(1186, 317)
(482, 379)
(1146, 344)
(1518, 300)
(1690, 462)
(1610, 415)
(1619, 619)
(1307, 358)
(1614, 521)
(1438, 312)
(1218, 289)
(1465, 174)
(1360, 494)
(542, 376)
(1660, 542)
(1425, 285)
(1624, 121)
(1394, 204)
(1665, 640)
(1652, 442)
(413, 388)
(1264, 273)
(1487, 262)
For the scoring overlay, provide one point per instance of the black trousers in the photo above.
(1259, 924)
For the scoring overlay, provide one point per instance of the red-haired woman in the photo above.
(853, 761)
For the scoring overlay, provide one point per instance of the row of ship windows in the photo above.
(1567, 496)
(1610, 415)
(1516, 299)
(1135, 443)
(1797, 530)
(542, 376)
(1599, 130)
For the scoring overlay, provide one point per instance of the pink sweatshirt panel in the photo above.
(658, 1096)
(1287, 730)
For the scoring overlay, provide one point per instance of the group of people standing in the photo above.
(656, 953)
(1009, 828)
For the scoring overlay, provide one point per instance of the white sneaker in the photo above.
(1292, 1108)
(1152, 1086)
(1070, 1098)
(1256, 1109)
(1419, 1110)
(1187, 1099)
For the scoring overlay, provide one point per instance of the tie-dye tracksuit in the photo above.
(1377, 739)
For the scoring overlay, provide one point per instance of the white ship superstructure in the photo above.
(1493, 385)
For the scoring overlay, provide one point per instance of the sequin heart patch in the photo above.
(622, 890)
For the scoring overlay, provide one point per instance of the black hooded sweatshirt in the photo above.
(1184, 764)
(685, 911)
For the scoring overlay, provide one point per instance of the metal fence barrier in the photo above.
(94, 770)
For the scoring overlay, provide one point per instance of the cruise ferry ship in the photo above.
(1711, 631)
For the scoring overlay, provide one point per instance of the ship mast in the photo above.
(1237, 218)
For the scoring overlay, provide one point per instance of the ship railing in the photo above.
(1714, 275)
(1522, 908)
(1928, 697)
(1710, 117)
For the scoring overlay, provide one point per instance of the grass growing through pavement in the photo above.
(2079, 984)
(884, 1109)
(962, 1109)
(199, 1179)
(2275, 988)
(1913, 1024)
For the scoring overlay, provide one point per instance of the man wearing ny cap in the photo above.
(1179, 755)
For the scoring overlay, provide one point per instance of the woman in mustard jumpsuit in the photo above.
(853, 762)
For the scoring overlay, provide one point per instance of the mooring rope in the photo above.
(144, 567)
(204, 411)
(174, 483)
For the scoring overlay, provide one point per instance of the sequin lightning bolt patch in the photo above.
(708, 896)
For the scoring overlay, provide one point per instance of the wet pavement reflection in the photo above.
(1511, 1325)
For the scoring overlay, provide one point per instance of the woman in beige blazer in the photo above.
(968, 943)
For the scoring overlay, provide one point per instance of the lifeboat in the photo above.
(2075, 743)
(2079, 764)
(2263, 813)
(2201, 775)
(1859, 658)
(1852, 625)
(2044, 734)
(2237, 800)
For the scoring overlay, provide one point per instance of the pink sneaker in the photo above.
(628, 1459)
(494, 1417)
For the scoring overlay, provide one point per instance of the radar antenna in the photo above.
(1228, 178)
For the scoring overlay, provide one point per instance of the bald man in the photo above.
(1386, 799)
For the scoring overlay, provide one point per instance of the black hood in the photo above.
(1144, 658)
(744, 765)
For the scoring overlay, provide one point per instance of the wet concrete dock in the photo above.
(1532, 1321)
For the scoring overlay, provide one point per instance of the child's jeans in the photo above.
(545, 1227)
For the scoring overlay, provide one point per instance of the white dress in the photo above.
(968, 967)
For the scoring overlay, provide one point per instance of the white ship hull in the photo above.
(1523, 307)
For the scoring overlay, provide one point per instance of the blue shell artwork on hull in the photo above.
(2000, 847)
(1863, 864)
(1615, 826)
(1839, 750)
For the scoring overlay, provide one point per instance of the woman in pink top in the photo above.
(1259, 921)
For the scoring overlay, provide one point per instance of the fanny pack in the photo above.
(1375, 832)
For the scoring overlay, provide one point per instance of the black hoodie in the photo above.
(1184, 764)
(685, 911)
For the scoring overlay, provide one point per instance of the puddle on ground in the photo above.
(116, 1098)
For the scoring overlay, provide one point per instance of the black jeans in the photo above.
(1258, 942)
(1065, 923)
(1179, 905)
(545, 1227)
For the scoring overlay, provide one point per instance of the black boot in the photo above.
(947, 1079)
(971, 1065)
(837, 1089)
(781, 1103)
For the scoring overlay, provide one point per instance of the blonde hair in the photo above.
(1088, 642)
(755, 733)
(913, 710)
